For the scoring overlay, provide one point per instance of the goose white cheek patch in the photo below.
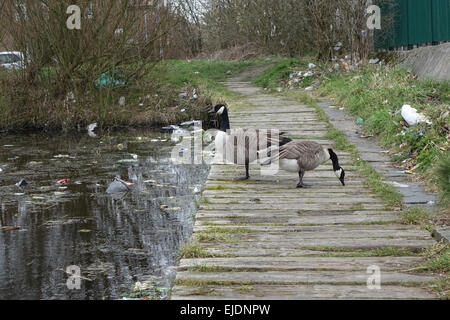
(338, 173)
(221, 110)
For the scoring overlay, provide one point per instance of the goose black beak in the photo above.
(212, 111)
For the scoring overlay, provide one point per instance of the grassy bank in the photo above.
(163, 95)
(375, 95)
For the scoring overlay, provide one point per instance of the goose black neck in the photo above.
(224, 121)
(334, 159)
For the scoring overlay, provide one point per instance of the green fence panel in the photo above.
(440, 19)
(419, 21)
(414, 22)
(402, 23)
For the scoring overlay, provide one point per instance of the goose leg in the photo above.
(247, 175)
(301, 174)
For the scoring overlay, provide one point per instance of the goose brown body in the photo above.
(241, 146)
(303, 156)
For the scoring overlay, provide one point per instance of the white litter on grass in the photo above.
(338, 46)
(412, 117)
(311, 65)
(309, 88)
(122, 101)
(279, 90)
(374, 61)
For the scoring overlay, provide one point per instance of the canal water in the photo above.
(123, 245)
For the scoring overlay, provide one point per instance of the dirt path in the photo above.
(265, 239)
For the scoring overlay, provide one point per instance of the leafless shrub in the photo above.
(81, 71)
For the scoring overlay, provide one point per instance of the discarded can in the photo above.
(62, 182)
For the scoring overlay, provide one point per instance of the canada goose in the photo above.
(302, 156)
(241, 146)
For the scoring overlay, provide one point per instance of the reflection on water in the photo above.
(116, 240)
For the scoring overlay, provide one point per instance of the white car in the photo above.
(12, 60)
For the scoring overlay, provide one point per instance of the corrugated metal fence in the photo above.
(414, 22)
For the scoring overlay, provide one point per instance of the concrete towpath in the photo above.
(265, 239)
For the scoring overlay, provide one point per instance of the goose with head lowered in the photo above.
(303, 156)
(240, 146)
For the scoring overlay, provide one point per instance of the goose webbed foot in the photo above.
(243, 178)
(301, 174)
(302, 185)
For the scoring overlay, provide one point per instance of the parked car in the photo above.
(12, 60)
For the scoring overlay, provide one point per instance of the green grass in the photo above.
(204, 75)
(193, 250)
(281, 70)
(416, 216)
(377, 95)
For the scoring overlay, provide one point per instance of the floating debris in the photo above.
(191, 123)
(170, 129)
(22, 183)
(62, 182)
(91, 129)
(127, 161)
(11, 228)
(85, 231)
(119, 186)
